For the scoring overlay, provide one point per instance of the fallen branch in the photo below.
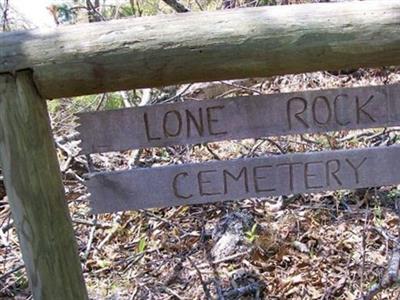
(251, 289)
(7, 227)
(92, 223)
(203, 283)
(175, 5)
(391, 278)
(67, 162)
(16, 269)
(249, 89)
(230, 257)
(90, 239)
(67, 138)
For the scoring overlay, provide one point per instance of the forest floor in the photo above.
(333, 245)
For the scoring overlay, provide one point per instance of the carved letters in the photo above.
(244, 178)
(236, 118)
(326, 111)
(240, 117)
(309, 173)
(185, 123)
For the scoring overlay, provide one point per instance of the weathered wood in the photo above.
(240, 117)
(244, 178)
(35, 192)
(164, 50)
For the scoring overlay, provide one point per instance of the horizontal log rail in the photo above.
(194, 47)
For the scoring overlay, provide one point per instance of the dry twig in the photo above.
(175, 5)
(391, 278)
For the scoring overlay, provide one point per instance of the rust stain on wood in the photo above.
(243, 178)
(194, 122)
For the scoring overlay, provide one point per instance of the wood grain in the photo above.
(35, 192)
(194, 122)
(244, 178)
(206, 46)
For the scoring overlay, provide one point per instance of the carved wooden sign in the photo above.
(193, 122)
(244, 178)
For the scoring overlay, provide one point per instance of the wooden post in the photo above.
(35, 192)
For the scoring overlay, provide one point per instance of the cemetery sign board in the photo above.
(194, 122)
(244, 178)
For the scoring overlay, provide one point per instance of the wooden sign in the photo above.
(194, 122)
(244, 178)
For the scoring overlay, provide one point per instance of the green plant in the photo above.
(394, 194)
(53, 106)
(114, 101)
(102, 263)
(266, 2)
(22, 279)
(142, 245)
(251, 235)
(378, 216)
